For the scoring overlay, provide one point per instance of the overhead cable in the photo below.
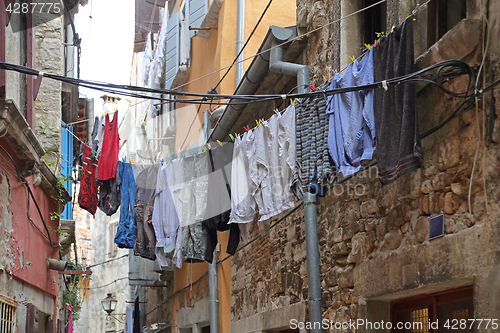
(290, 40)
(128, 90)
(425, 134)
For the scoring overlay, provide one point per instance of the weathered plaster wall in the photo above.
(29, 247)
(24, 273)
(374, 239)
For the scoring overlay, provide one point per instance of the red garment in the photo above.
(110, 150)
(87, 198)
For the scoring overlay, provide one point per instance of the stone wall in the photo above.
(374, 245)
(49, 56)
(159, 305)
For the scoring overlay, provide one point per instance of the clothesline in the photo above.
(183, 203)
(78, 139)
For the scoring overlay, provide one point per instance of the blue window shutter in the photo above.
(66, 164)
(197, 11)
(172, 54)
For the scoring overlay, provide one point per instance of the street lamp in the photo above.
(109, 304)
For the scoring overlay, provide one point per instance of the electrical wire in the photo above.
(105, 285)
(174, 92)
(105, 262)
(124, 89)
(190, 126)
(291, 40)
(424, 135)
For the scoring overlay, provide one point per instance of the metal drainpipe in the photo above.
(240, 37)
(212, 286)
(310, 214)
(313, 271)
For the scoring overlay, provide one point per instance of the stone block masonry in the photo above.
(374, 245)
(49, 55)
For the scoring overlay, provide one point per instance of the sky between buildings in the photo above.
(107, 31)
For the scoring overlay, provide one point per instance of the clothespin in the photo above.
(375, 44)
(291, 101)
(392, 30)
(257, 122)
(329, 77)
(220, 144)
(161, 161)
(368, 46)
(183, 155)
(204, 148)
(129, 161)
(170, 158)
(246, 128)
(232, 137)
(311, 87)
(352, 58)
(276, 111)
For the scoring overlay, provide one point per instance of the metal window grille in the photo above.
(443, 308)
(455, 311)
(7, 316)
(418, 319)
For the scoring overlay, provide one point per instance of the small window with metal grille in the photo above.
(8, 309)
(430, 313)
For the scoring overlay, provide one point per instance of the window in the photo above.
(374, 20)
(185, 40)
(66, 166)
(112, 248)
(178, 50)
(445, 308)
(442, 15)
(197, 11)
(7, 315)
(172, 49)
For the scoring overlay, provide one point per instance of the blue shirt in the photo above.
(351, 135)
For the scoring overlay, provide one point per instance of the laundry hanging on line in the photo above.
(259, 175)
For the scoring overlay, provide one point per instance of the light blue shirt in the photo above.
(351, 134)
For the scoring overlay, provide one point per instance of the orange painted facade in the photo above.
(208, 56)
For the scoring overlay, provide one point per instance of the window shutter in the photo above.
(185, 53)
(197, 11)
(172, 54)
(66, 164)
(112, 248)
